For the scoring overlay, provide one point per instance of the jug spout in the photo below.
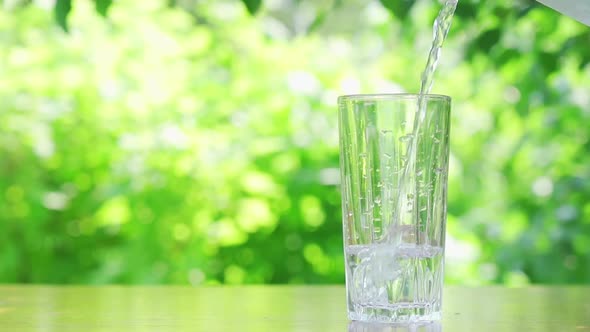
(577, 9)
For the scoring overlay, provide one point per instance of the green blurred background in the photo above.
(193, 142)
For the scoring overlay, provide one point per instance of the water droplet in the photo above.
(439, 170)
(435, 140)
(410, 206)
(419, 173)
(387, 155)
(379, 184)
(406, 138)
(378, 200)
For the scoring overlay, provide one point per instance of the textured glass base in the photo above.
(356, 326)
(396, 314)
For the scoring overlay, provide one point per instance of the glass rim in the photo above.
(392, 96)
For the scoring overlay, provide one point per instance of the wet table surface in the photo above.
(276, 308)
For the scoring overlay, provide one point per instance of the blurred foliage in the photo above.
(190, 142)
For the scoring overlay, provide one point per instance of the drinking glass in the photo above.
(394, 156)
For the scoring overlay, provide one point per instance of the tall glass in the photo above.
(393, 163)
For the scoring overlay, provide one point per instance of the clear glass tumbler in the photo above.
(393, 162)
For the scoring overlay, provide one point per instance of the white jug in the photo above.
(577, 9)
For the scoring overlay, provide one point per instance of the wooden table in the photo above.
(275, 308)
